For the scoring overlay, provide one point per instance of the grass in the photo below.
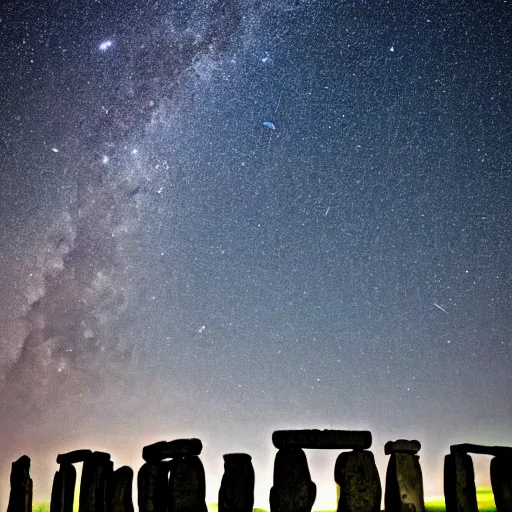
(42, 506)
(484, 498)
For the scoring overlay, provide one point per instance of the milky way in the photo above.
(225, 217)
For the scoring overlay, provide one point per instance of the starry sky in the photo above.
(224, 217)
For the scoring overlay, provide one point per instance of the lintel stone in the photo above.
(402, 445)
(161, 450)
(323, 439)
(481, 449)
(73, 457)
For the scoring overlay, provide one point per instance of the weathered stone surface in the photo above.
(236, 492)
(20, 498)
(170, 449)
(359, 483)
(119, 490)
(323, 439)
(402, 445)
(96, 470)
(404, 484)
(293, 490)
(459, 483)
(63, 489)
(73, 457)
(495, 451)
(501, 481)
(187, 486)
(152, 484)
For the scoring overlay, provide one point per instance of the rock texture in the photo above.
(63, 489)
(293, 490)
(404, 484)
(171, 449)
(323, 439)
(236, 492)
(403, 446)
(20, 498)
(118, 495)
(501, 481)
(96, 470)
(459, 483)
(152, 485)
(359, 483)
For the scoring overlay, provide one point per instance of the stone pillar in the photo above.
(236, 492)
(359, 483)
(404, 481)
(459, 483)
(119, 491)
(20, 498)
(152, 483)
(96, 470)
(187, 485)
(63, 489)
(293, 489)
(501, 481)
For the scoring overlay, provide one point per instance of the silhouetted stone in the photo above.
(20, 498)
(236, 492)
(101, 456)
(170, 449)
(495, 451)
(459, 483)
(293, 490)
(96, 470)
(152, 485)
(501, 481)
(323, 439)
(73, 457)
(359, 483)
(63, 489)
(119, 490)
(187, 486)
(404, 484)
(402, 445)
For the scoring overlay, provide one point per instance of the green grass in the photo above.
(484, 498)
(42, 506)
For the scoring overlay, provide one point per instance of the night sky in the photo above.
(223, 217)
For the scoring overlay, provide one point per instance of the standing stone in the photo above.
(359, 483)
(404, 484)
(293, 489)
(96, 470)
(20, 498)
(187, 485)
(236, 492)
(152, 483)
(119, 490)
(459, 483)
(63, 490)
(501, 481)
